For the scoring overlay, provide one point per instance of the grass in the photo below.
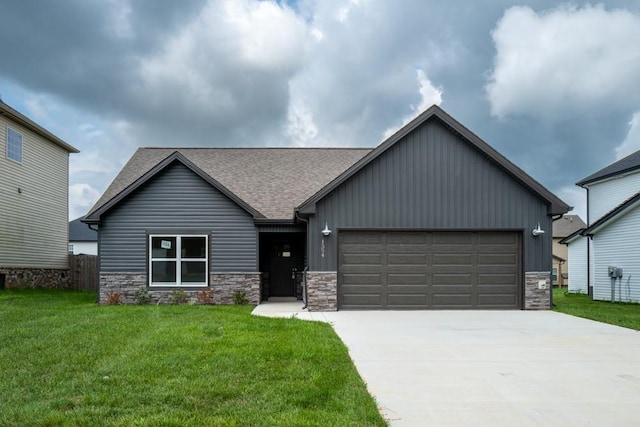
(65, 360)
(621, 314)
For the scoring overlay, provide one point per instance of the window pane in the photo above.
(163, 271)
(14, 145)
(163, 247)
(194, 271)
(194, 247)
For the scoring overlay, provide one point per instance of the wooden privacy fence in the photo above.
(84, 272)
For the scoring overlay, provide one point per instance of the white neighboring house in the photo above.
(82, 239)
(613, 231)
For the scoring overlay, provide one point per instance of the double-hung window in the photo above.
(178, 260)
(14, 145)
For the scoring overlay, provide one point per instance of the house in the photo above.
(82, 239)
(34, 182)
(563, 227)
(432, 218)
(613, 231)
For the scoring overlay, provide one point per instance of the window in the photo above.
(176, 260)
(70, 248)
(554, 275)
(14, 145)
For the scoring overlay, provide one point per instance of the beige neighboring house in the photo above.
(34, 194)
(562, 228)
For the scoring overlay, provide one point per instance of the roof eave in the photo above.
(23, 120)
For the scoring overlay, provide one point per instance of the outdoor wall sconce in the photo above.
(537, 231)
(326, 232)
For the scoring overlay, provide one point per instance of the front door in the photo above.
(282, 265)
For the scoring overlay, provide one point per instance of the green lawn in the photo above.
(621, 314)
(65, 360)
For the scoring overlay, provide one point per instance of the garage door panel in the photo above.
(406, 259)
(361, 279)
(444, 270)
(452, 259)
(409, 300)
(409, 279)
(361, 259)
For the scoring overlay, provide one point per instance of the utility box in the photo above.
(614, 272)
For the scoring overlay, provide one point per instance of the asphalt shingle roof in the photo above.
(273, 181)
(567, 225)
(627, 164)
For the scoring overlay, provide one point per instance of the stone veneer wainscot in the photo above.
(224, 286)
(44, 278)
(322, 290)
(534, 297)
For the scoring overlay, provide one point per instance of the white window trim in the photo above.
(178, 260)
(21, 146)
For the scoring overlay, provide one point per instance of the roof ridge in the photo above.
(256, 148)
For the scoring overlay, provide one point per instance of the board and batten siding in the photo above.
(34, 199)
(431, 180)
(617, 245)
(606, 195)
(175, 200)
(577, 261)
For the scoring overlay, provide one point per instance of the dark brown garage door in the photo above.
(437, 270)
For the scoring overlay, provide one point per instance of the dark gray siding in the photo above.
(177, 200)
(431, 180)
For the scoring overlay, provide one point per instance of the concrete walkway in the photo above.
(493, 368)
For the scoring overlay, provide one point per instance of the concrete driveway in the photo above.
(488, 368)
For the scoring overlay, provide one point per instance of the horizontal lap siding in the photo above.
(34, 221)
(177, 199)
(617, 245)
(578, 265)
(431, 179)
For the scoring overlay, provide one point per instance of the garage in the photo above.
(399, 270)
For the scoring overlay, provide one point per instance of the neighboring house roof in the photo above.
(80, 232)
(613, 215)
(572, 237)
(267, 182)
(556, 206)
(23, 120)
(567, 225)
(622, 166)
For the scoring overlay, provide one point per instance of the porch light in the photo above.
(537, 231)
(326, 232)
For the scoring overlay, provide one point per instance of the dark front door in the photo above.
(282, 264)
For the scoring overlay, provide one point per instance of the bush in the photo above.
(177, 296)
(113, 298)
(142, 296)
(240, 298)
(205, 296)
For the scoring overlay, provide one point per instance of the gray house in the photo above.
(432, 218)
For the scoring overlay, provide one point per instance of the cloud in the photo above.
(576, 197)
(81, 199)
(631, 144)
(566, 59)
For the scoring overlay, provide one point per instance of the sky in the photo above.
(555, 87)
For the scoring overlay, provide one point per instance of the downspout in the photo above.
(306, 267)
(589, 288)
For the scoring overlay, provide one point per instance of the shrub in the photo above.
(177, 296)
(205, 296)
(113, 298)
(240, 298)
(142, 296)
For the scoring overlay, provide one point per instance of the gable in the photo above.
(432, 178)
(435, 114)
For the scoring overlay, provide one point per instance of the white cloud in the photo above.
(564, 59)
(230, 47)
(576, 197)
(631, 144)
(429, 95)
(81, 199)
(301, 129)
